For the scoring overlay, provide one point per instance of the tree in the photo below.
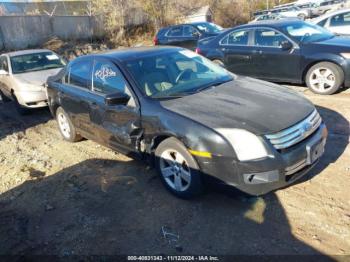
(157, 10)
(113, 15)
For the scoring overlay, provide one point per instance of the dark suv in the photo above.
(186, 35)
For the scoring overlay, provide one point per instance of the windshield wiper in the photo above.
(217, 83)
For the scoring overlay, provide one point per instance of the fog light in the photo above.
(261, 178)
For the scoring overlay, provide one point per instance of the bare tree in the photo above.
(113, 13)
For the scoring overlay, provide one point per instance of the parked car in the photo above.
(268, 17)
(23, 75)
(284, 51)
(310, 7)
(337, 22)
(192, 117)
(291, 11)
(186, 35)
(261, 12)
(329, 5)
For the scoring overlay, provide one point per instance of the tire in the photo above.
(19, 108)
(178, 170)
(4, 98)
(219, 62)
(66, 127)
(302, 17)
(325, 78)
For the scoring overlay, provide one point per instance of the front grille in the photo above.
(293, 135)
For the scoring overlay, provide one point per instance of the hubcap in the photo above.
(322, 79)
(64, 125)
(175, 170)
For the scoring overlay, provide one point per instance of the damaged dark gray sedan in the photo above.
(191, 117)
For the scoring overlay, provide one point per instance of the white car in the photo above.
(337, 22)
(268, 17)
(23, 76)
(291, 11)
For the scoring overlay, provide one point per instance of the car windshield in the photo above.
(304, 32)
(209, 28)
(35, 62)
(176, 74)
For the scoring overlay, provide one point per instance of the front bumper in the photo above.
(262, 176)
(32, 99)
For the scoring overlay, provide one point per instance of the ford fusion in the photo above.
(190, 117)
(289, 51)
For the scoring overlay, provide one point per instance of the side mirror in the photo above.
(286, 45)
(196, 34)
(117, 99)
(3, 72)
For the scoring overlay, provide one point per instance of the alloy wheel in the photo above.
(64, 125)
(322, 79)
(175, 170)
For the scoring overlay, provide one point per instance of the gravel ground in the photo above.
(58, 198)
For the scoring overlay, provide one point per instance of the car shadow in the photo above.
(108, 207)
(11, 122)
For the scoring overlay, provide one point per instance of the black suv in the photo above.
(186, 35)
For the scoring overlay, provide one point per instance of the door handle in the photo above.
(257, 52)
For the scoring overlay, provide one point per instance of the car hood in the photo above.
(336, 41)
(37, 77)
(245, 103)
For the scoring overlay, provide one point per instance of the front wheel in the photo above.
(66, 126)
(325, 78)
(178, 170)
(302, 17)
(19, 108)
(3, 98)
(219, 62)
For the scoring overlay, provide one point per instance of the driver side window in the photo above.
(107, 79)
(190, 31)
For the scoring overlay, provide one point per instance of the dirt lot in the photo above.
(83, 199)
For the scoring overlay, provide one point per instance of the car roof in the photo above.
(190, 23)
(26, 52)
(327, 15)
(128, 54)
(272, 23)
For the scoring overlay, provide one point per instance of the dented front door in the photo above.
(117, 126)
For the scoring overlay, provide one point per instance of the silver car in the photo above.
(337, 22)
(23, 75)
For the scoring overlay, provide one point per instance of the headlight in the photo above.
(346, 55)
(246, 145)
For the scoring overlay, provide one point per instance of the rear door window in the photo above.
(175, 31)
(80, 74)
(268, 38)
(240, 37)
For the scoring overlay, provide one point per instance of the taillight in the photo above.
(155, 41)
(198, 50)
